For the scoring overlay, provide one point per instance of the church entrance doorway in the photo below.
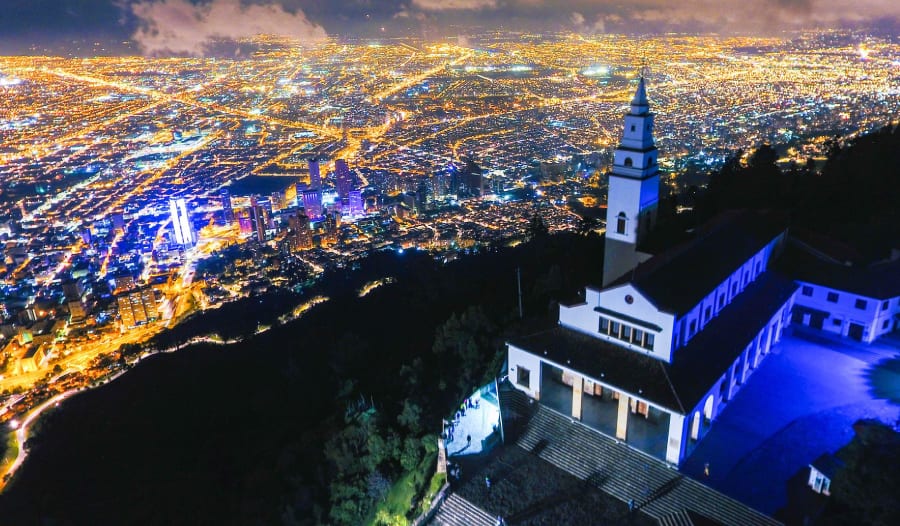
(855, 332)
(556, 389)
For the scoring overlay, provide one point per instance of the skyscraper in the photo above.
(227, 210)
(181, 223)
(300, 235)
(315, 176)
(312, 203)
(343, 178)
(356, 203)
(258, 218)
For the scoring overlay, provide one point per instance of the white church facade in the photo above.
(653, 355)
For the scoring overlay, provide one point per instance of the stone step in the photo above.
(457, 511)
(680, 518)
(657, 489)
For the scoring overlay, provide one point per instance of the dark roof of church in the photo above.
(878, 280)
(677, 279)
(678, 386)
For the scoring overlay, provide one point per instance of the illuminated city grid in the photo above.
(93, 150)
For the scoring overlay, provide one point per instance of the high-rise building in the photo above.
(439, 184)
(258, 218)
(356, 204)
(312, 202)
(299, 232)
(633, 190)
(118, 221)
(244, 222)
(227, 210)
(315, 176)
(332, 223)
(343, 179)
(185, 234)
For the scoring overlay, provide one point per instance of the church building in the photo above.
(653, 355)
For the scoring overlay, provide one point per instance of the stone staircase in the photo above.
(681, 518)
(457, 511)
(657, 489)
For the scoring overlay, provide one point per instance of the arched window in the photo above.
(620, 223)
(708, 408)
(628, 161)
(695, 426)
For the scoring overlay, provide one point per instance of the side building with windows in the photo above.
(653, 356)
(857, 302)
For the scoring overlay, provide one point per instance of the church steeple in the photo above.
(639, 104)
(633, 189)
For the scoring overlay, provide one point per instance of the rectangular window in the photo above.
(756, 271)
(884, 305)
(604, 325)
(524, 377)
(734, 289)
(614, 329)
(620, 225)
(626, 333)
(636, 336)
(693, 328)
(806, 290)
(836, 322)
(721, 301)
(832, 297)
(648, 341)
(861, 304)
(708, 314)
(885, 324)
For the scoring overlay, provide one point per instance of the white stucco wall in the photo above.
(677, 434)
(615, 299)
(583, 318)
(844, 312)
(518, 358)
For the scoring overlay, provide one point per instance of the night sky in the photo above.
(162, 27)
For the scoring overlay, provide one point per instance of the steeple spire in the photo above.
(639, 104)
(633, 189)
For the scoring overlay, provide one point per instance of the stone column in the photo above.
(676, 435)
(622, 417)
(577, 388)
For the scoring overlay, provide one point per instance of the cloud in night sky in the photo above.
(188, 26)
(180, 27)
(452, 5)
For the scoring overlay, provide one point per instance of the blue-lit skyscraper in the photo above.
(181, 223)
(315, 176)
(312, 203)
(356, 203)
(343, 179)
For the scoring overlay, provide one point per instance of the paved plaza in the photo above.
(800, 403)
(478, 423)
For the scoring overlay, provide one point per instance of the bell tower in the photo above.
(633, 190)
